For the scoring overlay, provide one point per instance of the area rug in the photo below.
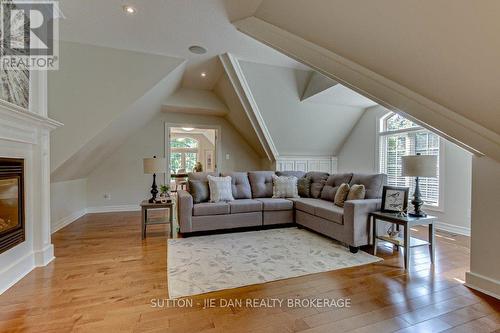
(198, 265)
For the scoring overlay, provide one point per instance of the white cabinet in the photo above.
(307, 163)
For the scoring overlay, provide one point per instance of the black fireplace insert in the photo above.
(12, 228)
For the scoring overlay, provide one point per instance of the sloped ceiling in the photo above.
(297, 127)
(102, 95)
(445, 50)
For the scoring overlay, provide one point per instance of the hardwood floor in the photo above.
(105, 278)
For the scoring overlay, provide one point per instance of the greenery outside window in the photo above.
(399, 137)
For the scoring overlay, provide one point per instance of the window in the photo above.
(183, 154)
(400, 137)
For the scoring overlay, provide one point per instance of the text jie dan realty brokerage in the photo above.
(252, 303)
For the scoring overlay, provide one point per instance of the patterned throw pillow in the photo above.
(285, 187)
(220, 188)
(341, 195)
(304, 187)
(356, 192)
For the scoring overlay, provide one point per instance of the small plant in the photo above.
(164, 189)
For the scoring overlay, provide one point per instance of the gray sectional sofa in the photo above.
(254, 206)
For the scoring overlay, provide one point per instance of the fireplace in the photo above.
(11, 203)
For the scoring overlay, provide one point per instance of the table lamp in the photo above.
(419, 166)
(153, 166)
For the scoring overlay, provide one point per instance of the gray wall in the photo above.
(121, 174)
(68, 200)
(359, 154)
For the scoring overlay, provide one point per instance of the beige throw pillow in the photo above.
(356, 192)
(341, 195)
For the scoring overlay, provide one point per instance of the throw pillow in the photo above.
(199, 191)
(285, 187)
(341, 195)
(220, 189)
(356, 192)
(304, 187)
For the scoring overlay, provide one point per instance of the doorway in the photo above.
(190, 149)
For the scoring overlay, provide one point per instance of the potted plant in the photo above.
(164, 191)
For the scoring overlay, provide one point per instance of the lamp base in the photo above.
(419, 214)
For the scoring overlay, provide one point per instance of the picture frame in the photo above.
(209, 160)
(395, 199)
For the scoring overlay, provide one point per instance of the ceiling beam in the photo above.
(441, 120)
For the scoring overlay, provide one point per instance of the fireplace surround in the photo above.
(12, 204)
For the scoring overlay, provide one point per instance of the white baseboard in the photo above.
(483, 284)
(109, 209)
(68, 220)
(452, 228)
(16, 271)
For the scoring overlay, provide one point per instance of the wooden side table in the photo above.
(407, 241)
(146, 205)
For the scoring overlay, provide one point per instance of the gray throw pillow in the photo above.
(304, 187)
(199, 191)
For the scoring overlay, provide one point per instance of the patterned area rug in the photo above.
(198, 265)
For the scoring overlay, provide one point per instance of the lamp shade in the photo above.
(155, 165)
(419, 166)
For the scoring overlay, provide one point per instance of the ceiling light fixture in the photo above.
(187, 129)
(196, 49)
(129, 10)
(203, 74)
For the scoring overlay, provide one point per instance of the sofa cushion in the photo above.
(200, 176)
(275, 204)
(341, 195)
(330, 212)
(297, 174)
(285, 187)
(374, 184)
(210, 208)
(356, 192)
(321, 208)
(318, 180)
(199, 190)
(245, 206)
(220, 189)
(332, 185)
(305, 204)
(240, 184)
(304, 187)
(261, 183)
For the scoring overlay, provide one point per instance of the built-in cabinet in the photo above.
(306, 164)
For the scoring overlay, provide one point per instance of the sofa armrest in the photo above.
(184, 210)
(356, 219)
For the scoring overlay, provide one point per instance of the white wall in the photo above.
(359, 154)
(92, 87)
(121, 174)
(484, 272)
(297, 128)
(68, 202)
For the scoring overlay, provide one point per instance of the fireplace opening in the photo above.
(11, 203)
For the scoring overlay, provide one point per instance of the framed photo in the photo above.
(395, 199)
(209, 160)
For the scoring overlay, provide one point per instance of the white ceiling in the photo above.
(341, 95)
(169, 27)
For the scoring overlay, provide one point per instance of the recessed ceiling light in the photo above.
(203, 74)
(129, 10)
(196, 49)
(187, 129)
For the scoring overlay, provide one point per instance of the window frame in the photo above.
(379, 133)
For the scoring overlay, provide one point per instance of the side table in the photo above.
(407, 241)
(146, 205)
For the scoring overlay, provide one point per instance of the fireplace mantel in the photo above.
(26, 135)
